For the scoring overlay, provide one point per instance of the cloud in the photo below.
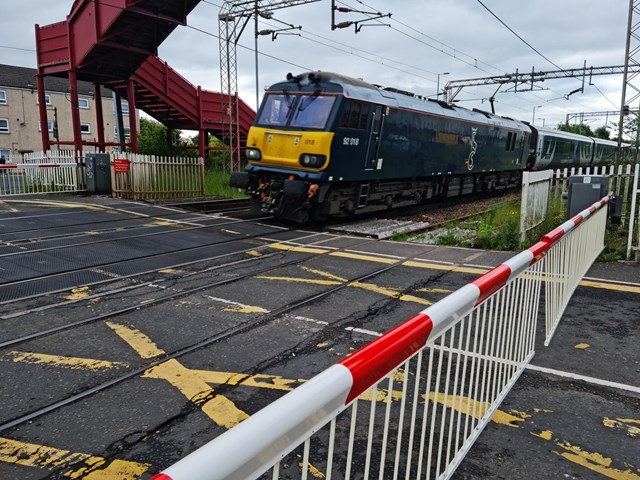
(424, 38)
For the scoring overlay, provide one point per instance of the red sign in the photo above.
(120, 165)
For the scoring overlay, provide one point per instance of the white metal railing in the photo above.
(633, 240)
(411, 403)
(534, 200)
(44, 172)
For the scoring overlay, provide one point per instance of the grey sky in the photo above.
(425, 37)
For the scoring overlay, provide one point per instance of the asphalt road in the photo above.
(130, 335)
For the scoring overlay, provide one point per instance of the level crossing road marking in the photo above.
(6, 208)
(369, 257)
(630, 426)
(72, 363)
(592, 380)
(336, 280)
(217, 407)
(194, 384)
(72, 465)
(142, 344)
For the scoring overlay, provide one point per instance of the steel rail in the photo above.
(186, 350)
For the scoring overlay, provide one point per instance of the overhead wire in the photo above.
(383, 60)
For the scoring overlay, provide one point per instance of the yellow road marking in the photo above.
(582, 346)
(594, 461)
(76, 465)
(632, 427)
(610, 286)
(477, 409)
(336, 280)
(270, 382)
(72, 363)
(451, 268)
(78, 293)
(169, 270)
(366, 258)
(434, 290)
(7, 208)
(48, 203)
(238, 307)
(325, 274)
(438, 266)
(291, 248)
(390, 293)
(142, 344)
(217, 407)
(300, 280)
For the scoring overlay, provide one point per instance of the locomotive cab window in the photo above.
(276, 110)
(312, 111)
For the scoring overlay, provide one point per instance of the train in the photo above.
(326, 145)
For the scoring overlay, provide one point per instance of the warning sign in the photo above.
(121, 165)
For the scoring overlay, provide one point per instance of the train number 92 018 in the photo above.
(351, 141)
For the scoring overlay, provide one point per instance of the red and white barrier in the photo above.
(453, 363)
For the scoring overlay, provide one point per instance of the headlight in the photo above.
(252, 154)
(312, 161)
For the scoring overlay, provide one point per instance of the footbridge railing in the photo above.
(411, 403)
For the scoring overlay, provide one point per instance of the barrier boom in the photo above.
(452, 363)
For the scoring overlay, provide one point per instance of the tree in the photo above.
(581, 129)
(602, 132)
(152, 140)
(629, 129)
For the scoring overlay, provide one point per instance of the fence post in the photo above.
(632, 217)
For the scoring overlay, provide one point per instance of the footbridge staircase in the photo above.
(114, 43)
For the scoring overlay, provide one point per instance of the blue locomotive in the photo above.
(325, 145)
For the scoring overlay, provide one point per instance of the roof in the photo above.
(360, 90)
(23, 77)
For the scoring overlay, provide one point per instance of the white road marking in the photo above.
(575, 376)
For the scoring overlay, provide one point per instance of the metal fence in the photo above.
(151, 177)
(538, 193)
(44, 172)
(534, 200)
(411, 403)
(132, 176)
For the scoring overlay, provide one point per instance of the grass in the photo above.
(499, 229)
(216, 183)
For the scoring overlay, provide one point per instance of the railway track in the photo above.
(175, 294)
(232, 258)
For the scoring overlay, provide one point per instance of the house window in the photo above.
(5, 153)
(3, 97)
(4, 125)
(127, 132)
(47, 99)
(83, 103)
(49, 126)
(85, 128)
(125, 107)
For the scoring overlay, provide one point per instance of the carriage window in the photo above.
(276, 109)
(509, 135)
(313, 111)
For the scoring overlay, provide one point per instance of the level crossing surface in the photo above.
(131, 334)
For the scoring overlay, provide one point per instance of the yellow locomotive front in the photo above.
(290, 131)
(288, 148)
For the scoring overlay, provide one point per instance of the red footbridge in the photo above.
(114, 43)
